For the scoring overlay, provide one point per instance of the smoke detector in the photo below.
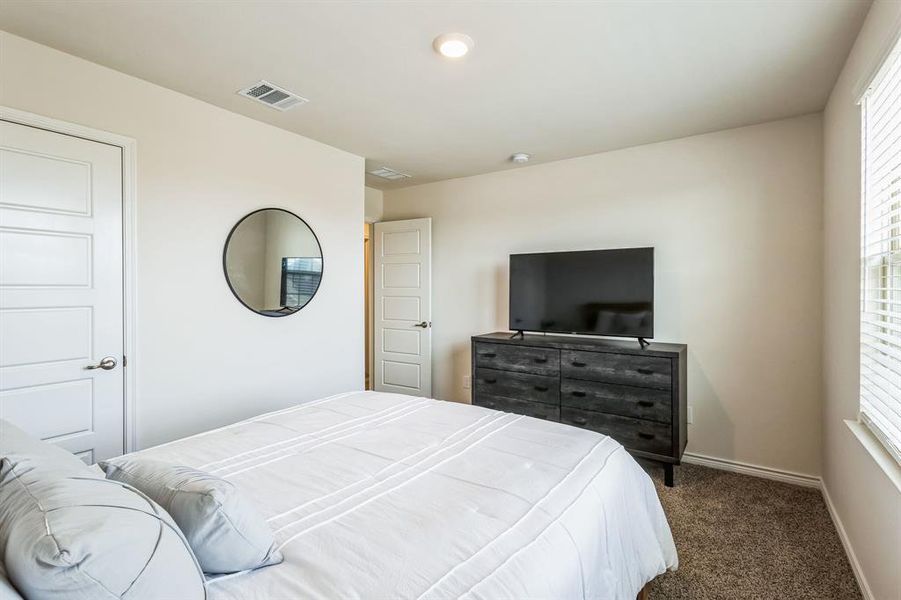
(272, 95)
(520, 158)
(390, 174)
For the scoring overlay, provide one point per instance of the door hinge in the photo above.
(124, 361)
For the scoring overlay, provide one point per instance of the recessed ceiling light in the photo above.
(520, 158)
(453, 45)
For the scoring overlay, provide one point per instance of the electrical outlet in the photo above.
(467, 382)
(690, 415)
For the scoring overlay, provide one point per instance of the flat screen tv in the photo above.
(597, 292)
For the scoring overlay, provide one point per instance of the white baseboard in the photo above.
(846, 543)
(753, 470)
(796, 479)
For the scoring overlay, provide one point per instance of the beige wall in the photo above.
(865, 499)
(203, 359)
(735, 217)
(374, 205)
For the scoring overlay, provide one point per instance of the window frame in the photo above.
(889, 260)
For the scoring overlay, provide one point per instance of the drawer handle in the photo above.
(541, 360)
(540, 388)
(645, 371)
(647, 436)
(645, 403)
(579, 364)
(490, 380)
(579, 394)
(488, 355)
(580, 420)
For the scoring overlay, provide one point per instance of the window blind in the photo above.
(300, 280)
(880, 316)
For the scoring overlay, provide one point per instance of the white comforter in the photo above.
(382, 496)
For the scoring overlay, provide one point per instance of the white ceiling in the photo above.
(555, 79)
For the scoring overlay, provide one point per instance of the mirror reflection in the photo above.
(273, 262)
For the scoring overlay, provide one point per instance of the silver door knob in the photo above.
(424, 324)
(107, 363)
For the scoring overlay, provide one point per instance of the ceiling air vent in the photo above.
(272, 95)
(386, 173)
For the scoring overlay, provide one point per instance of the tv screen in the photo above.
(600, 292)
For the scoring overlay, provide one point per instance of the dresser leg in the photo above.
(668, 474)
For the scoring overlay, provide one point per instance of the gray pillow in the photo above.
(66, 533)
(7, 591)
(16, 444)
(226, 533)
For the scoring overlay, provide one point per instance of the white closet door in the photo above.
(402, 328)
(61, 309)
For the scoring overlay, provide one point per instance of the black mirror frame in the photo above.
(225, 264)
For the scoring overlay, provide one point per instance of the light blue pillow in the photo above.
(226, 533)
(69, 534)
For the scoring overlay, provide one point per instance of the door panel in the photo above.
(400, 275)
(45, 182)
(61, 305)
(53, 410)
(403, 306)
(36, 335)
(44, 258)
(401, 242)
(395, 308)
(402, 341)
(403, 375)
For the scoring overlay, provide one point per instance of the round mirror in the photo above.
(273, 262)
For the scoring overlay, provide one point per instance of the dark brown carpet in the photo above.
(741, 537)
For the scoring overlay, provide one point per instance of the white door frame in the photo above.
(129, 243)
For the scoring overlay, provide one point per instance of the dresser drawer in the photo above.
(548, 412)
(518, 386)
(524, 359)
(627, 369)
(634, 434)
(623, 400)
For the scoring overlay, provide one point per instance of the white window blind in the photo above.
(880, 316)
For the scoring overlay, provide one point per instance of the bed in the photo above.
(374, 495)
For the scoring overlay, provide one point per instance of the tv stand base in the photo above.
(643, 343)
(518, 334)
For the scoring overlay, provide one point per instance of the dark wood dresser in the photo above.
(636, 396)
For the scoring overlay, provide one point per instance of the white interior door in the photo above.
(61, 309)
(402, 327)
